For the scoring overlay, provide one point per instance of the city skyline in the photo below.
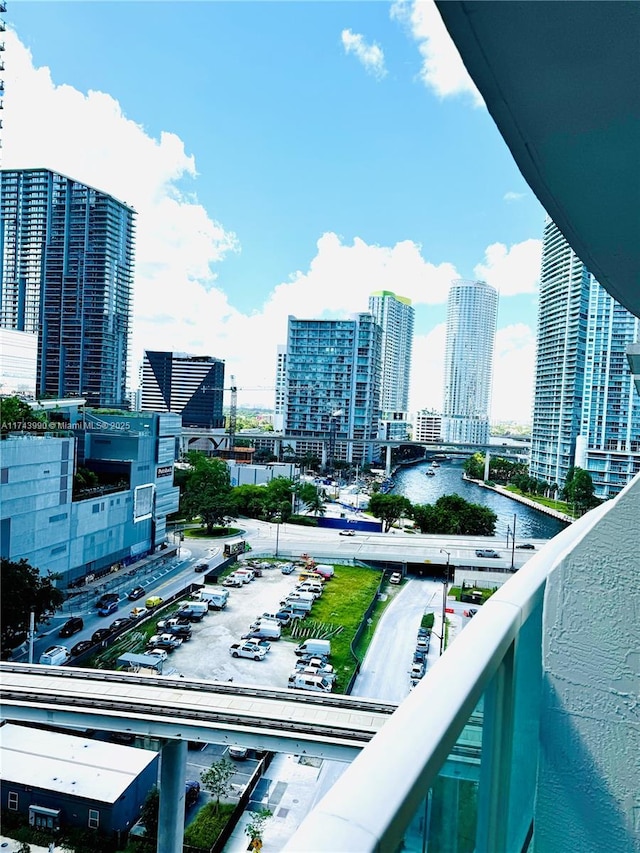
(269, 194)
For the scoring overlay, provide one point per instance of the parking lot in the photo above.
(206, 654)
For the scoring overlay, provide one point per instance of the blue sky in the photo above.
(283, 158)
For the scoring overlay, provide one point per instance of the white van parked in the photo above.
(265, 629)
(215, 598)
(246, 575)
(314, 647)
(308, 681)
(55, 656)
(310, 586)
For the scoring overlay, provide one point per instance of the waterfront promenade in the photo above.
(501, 490)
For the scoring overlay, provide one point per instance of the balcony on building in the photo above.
(524, 736)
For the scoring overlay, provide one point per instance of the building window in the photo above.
(96, 508)
(60, 517)
(4, 475)
(94, 819)
(12, 801)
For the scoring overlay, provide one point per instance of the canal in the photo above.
(414, 484)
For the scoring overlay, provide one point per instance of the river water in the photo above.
(414, 484)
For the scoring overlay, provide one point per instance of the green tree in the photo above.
(474, 466)
(149, 812)
(452, 515)
(255, 827)
(24, 589)
(16, 415)
(207, 491)
(309, 495)
(579, 490)
(217, 779)
(389, 508)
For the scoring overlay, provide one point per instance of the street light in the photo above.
(277, 535)
(445, 586)
(512, 531)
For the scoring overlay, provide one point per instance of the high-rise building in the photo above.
(584, 409)
(66, 275)
(395, 316)
(427, 426)
(333, 387)
(471, 325)
(188, 385)
(281, 389)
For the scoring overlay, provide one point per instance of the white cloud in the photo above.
(512, 196)
(178, 300)
(370, 55)
(427, 372)
(513, 374)
(514, 270)
(442, 68)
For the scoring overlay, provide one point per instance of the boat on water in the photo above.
(435, 464)
(430, 472)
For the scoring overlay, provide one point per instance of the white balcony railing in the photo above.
(412, 788)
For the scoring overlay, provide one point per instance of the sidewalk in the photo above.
(9, 845)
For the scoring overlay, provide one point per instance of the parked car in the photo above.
(423, 642)
(108, 609)
(419, 655)
(165, 624)
(238, 753)
(164, 641)
(106, 598)
(247, 650)
(81, 647)
(71, 627)
(347, 533)
(117, 624)
(470, 613)
(273, 617)
(182, 631)
(317, 664)
(138, 612)
(201, 567)
(191, 793)
(153, 601)
(287, 568)
(487, 552)
(526, 546)
(101, 634)
(424, 632)
(157, 652)
(232, 580)
(136, 593)
(191, 613)
(396, 577)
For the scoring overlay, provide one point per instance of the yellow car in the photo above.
(152, 602)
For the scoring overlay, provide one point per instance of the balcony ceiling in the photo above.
(562, 82)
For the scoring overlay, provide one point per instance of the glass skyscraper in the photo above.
(66, 275)
(191, 386)
(395, 316)
(333, 387)
(584, 412)
(471, 326)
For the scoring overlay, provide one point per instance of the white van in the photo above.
(314, 647)
(305, 681)
(195, 607)
(246, 575)
(301, 604)
(55, 656)
(215, 598)
(326, 571)
(266, 630)
(301, 595)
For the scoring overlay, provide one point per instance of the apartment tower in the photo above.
(395, 316)
(188, 385)
(333, 387)
(66, 276)
(471, 324)
(584, 410)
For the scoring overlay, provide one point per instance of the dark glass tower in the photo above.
(66, 275)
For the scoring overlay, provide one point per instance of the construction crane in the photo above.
(233, 413)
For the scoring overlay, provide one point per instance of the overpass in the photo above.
(177, 711)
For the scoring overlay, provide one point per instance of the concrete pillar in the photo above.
(487, 461)
(173, 765)
(387, 466)
(277, 449)
(324, 456)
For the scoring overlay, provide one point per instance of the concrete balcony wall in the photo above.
(588, 791)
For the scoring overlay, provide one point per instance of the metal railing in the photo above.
(398, 794)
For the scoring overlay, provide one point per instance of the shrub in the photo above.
(206, 827)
